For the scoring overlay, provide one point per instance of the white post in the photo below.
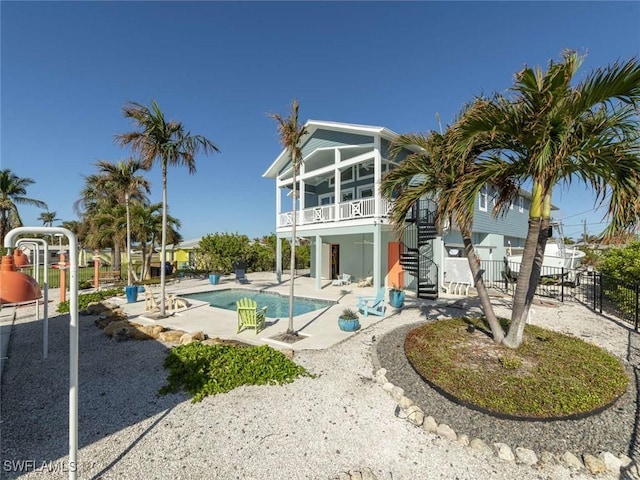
(377, 176)
(377, 255)
(278, 259)
(73, 332)
(318, 262)
(45, 288)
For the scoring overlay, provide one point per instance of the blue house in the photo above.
(339, 209)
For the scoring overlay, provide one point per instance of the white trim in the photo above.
(483, 195)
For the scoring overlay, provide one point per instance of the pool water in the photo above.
(277, 305)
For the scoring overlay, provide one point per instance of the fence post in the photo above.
(562, 286)
(593, 294)
(601, 290)
(636, 309)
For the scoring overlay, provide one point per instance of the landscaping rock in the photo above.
(463, 440)
(145, 332)
(611, 462)
(171, 336)
(547, 457)
(504, 452)
(116, 326)
(367, 474)
(572, 461)
(191, 337)
(397, 393)
(526, 456)
(405, 402)
(481, 447)
(415, 415)
(446, 432)
(387, 387)
(355, 475)
(429, 425)
(594, 464)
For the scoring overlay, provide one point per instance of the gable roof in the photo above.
(313, 125)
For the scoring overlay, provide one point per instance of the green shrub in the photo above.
(85, 299)
(203, 370)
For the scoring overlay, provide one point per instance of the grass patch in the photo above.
(550, 375)
(84, 299)
(203, 370)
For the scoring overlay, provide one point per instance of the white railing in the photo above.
(353, 209)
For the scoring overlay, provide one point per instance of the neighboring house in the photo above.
(182, 254)
(340, 210)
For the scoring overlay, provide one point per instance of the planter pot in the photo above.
(132, 293)
(396, 298)
(348, 324)
(214, 278)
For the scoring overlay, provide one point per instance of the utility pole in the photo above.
(584, 231)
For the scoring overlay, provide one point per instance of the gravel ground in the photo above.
(310, 429)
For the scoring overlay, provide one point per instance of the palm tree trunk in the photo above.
(524, 285)
(483, 293)
(163, 243)
(126, 203)
(293, 252)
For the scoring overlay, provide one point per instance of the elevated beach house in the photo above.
(341, 212)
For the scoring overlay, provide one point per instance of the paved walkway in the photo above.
(319, 328)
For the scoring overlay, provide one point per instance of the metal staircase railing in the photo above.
(416, 254)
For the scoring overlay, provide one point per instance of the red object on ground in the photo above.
(16, 287)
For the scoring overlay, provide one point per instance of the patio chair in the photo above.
(374, 305)
(249, 316)
(240, 276)
(344, 279)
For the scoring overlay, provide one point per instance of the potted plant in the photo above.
(349, 321)
(396, 296)
(208, 262)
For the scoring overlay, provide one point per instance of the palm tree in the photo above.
(166, 142)
(12, 193)
(47, 218)
(122, 179)
(146, 228)
(553, 133)
(433, 169)
(290, 135)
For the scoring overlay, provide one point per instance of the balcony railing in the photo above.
(351, 210)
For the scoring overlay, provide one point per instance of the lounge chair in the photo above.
(240, 276)
(249, 316)
(374, 305)
(344, 279)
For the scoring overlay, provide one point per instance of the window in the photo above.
(482, 200)
(365, 191)
(520, 204)
(327, 199)
(347, 175)
(347, 195)
(365, 170)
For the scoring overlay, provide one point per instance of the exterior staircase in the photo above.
(416, 254)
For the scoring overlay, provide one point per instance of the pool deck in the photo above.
(320, 327)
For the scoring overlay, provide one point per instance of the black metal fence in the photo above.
(601, 293)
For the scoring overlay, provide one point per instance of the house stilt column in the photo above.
(279, 260)
(378, 276)
(318, 262)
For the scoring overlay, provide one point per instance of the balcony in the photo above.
(350, 210)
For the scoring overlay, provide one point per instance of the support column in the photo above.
(318, 262)
(278, 260)
(378, 276)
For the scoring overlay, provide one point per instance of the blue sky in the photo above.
(67, 68)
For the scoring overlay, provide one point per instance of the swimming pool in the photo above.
(277, 305)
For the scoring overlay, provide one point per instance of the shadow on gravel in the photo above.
(118, 385)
